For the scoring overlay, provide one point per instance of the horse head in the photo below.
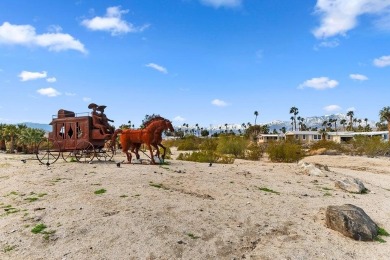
(168, 126)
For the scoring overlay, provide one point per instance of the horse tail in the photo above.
(113, 138)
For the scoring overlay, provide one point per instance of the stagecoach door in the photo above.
(68, 133)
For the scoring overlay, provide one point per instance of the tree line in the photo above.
(19, 138)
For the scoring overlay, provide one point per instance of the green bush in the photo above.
(254, 152)
(370, 146)
(234, 145)
(188, 143)
(209, 144)
(284, 152)
(329, 145)
(205, 157)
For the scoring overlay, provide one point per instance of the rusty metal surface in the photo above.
(69, 129)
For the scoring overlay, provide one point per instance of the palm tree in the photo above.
(303, 126)
(226, 125)
(384, 115)
(30, 137)
(323, 133)
(334, 120)
(299, 123)
(295, 112)
(342, 122)
(324, 123)
(350, 114)
(2, 137)
(365, 120)
(256, 114)
(292, 123)
(10, 133)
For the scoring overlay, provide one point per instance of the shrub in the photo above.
(234, 145)
(254, 152)
(370, 146)
(284, 152)
(188, 143)
(205, 157)
(329, 145)
(209, 145)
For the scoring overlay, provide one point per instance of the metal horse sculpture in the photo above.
(151, 135)
(157, 141)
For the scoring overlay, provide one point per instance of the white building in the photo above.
(314, 136)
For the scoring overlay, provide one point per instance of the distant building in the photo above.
(265, 138)
(315, 136)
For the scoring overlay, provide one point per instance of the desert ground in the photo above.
(185, 210)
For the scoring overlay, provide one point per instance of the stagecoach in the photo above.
(75, 137)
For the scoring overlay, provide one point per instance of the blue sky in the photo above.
(194, 61)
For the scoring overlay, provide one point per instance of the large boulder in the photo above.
(352, 222)
(352, 185)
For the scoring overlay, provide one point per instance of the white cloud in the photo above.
(27, 75)
(70, 94)
(358, 77)
(340, 16)
(51, 80)
(332, 108)
(87, 99)
(25, 35)
(319, 83)
(50, 92)
(112, 22)
(219, 103)
(383, 61)
(222, 3)
(179, 118)
(157, 67)
(351, 109)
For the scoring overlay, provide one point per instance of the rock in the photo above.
(311, 170)
(322, 167)
(351, 221)
(352, 185)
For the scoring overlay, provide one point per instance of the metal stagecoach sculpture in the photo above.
(85, 136)
(81, 137)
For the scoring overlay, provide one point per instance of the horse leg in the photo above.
(151, 154)
(157, 150)
(134, 149)
(137, 147)
(125, 149)
(128, 155)
(164, 150)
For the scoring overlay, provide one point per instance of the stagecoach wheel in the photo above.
(68, 156)
(48, 151)
(106, 152)
(84, 152)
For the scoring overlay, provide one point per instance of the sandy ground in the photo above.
(185, 210)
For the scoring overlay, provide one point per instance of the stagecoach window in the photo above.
(78, 130)
(62, 131)
(70, 132)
